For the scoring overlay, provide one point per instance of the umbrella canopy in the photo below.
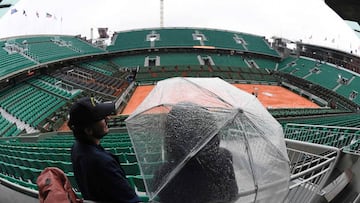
(204, 140)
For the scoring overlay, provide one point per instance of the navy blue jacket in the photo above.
(99, 175)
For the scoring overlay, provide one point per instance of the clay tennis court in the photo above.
(270, 96)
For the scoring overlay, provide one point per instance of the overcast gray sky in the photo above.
(309, 20)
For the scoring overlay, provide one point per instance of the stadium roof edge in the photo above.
(38, 35)
(330, 48)
(201, 28)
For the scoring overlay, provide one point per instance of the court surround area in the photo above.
(269, 95)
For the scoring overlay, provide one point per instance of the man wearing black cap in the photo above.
(97, 172)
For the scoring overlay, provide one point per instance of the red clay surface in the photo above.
(277, 97)
(269, 96)
(139, 95)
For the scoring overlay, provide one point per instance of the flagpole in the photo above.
(61, 29)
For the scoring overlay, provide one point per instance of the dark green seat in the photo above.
(131, 168)
(131, 157)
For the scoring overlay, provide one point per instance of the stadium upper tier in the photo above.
(10, 63)
(20, 53)
(190, 38)
(194, 52)
(324, 74)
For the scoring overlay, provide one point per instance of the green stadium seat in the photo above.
(72, 180)
(131, 168)
(139, 183)
(131, 157)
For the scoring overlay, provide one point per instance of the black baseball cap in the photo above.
(87, 111)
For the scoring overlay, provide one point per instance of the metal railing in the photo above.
(345, 138)
(310, 167)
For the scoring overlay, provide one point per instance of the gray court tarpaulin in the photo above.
(204, 140)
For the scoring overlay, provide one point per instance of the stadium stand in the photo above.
(265, 63)
(301, 68)
(223, 40)
(130, 60)
(101, 66)
(228, 60)
(257, 44)
(67, 67)
(286, 62)
(24, 161)
(334, 99)
(13, 61)
(17, 54)
(53, 88)
(177, 38)
(294, 112)
(344, 120)
(351, 90)
(173, 59)
(79, 45)
(327, 76)
(189, 37)
(91, 80)
(8, 129)
(129, 41)
(43, 49)
(29, 104)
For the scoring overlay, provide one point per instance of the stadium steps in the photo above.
(8, 129)
(337, 87)
(30, 57)
(30, 104)
(20, 124)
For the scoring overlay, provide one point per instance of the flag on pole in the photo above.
(14, 10)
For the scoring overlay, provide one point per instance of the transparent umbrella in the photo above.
(204, 140)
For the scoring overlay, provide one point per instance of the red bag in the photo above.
(54, 186)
